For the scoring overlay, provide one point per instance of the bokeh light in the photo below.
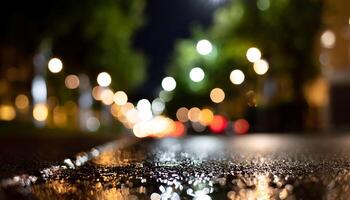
(261, 67)
(237, 77)
(107, 96)
(96, 92)
(241, 126)
(22, 102)
(182, 114)
(328, 39)
(158, 106)
(197, 74)
(7, 112)
(104, 79)
(204, 47)
(168, 83)
(193, 114)
(72, 81)
(92, 124)
(263, 4)
(120, 98)
(143, 105)
(40, 112)
(179, 130)
(55, 65)
(217, 95)
(253, 54)
(206, 116)
(218, 124)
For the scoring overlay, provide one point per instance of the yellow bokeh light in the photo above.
(253, 54)
(261, 67)
(55, 65)
(193, 114)
(7, 112)
(59, 116)
(120, 98)
(182, 114)
(72, 81)
(217, 95)
(115, 110)
(206, 116)
(22, 102)
(40, 112)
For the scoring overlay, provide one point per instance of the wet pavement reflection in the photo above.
(199, 168)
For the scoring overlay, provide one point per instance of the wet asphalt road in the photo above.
(201, 168)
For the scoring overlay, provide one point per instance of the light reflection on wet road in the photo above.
(200, 168)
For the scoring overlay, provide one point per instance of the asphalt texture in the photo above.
(197, 167)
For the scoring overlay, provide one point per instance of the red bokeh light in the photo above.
(218, 124)
(179, 130)
(241, 126)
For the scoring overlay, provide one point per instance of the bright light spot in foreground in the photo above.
(158, 106)
(72, 81)
(120, 98)
(253, 54)
(218, 124)
(157, 127)
(22, 102)
(197, 74)
(40, 112)
(261, 67)
(92, 124)
(7, 112)
(182, 114)
(204, 47)
(55, 65)
(168, 83)
(104, 79)
(217, 95)
(237, 77)
(328, 39)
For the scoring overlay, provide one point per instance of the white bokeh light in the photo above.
(237, 77)
(158, 106)
(328, 39)
(55, 65)
(168, 83)
(261, 67)
(253, 54)
(120, 98)
(92, 124)
(204, 47)
(197, 74)
(143, 105)
(104, 79)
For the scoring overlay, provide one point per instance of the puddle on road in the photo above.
(203, 168)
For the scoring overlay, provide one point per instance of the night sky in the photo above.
(166, 22)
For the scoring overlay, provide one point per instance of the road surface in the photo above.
(198, 167)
